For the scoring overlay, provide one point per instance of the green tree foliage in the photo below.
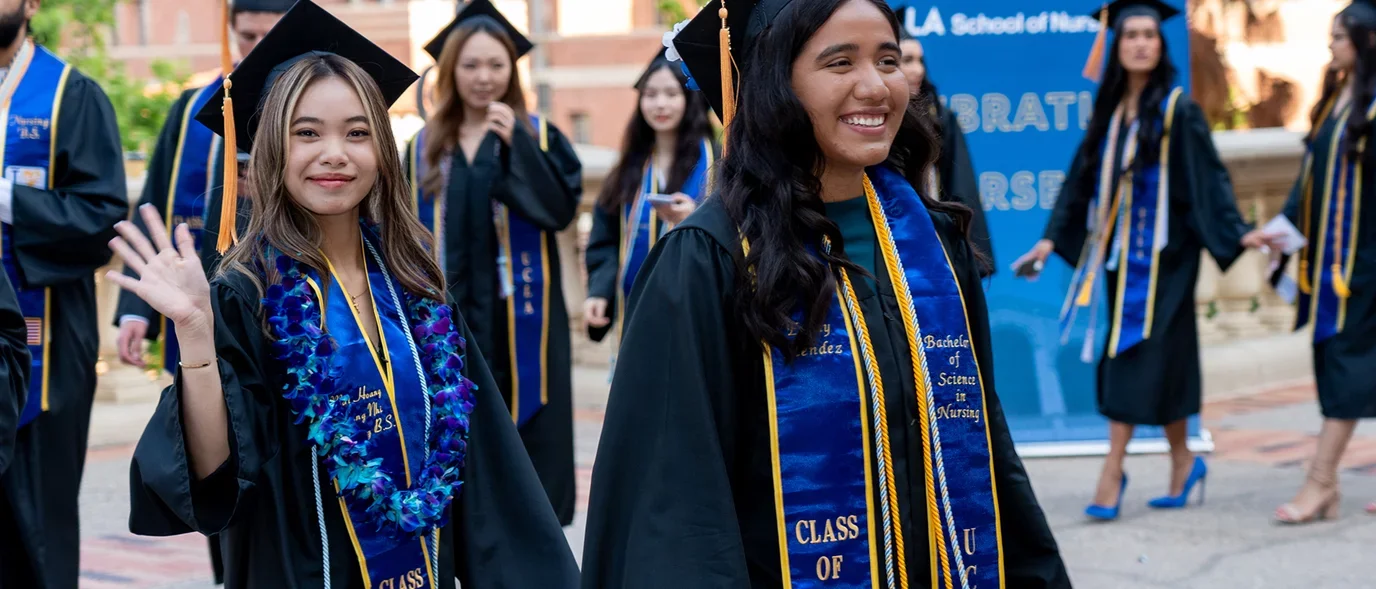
(672, 11)
(77, 31)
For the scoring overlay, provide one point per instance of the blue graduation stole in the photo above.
(525, 276)
(191, 184)
(388, 400)
(30, 98)
(833, 532)
(1324, 285)
(1140, 213)
(641, 228)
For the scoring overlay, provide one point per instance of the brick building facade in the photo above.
(589, 54)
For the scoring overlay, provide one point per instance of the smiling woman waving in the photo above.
(329, 419)
(804, 396)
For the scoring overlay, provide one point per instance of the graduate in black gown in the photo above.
(804, 396)
(1145, 195)
(953, 176)
(62, 191)
(331, 418)
(495, 184)
(182, 183)
(1335, 274)
(15, 565)
(667, 157)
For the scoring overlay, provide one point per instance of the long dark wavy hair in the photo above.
(771, 189)
(1363, 87)
(1149, 114)
(639, 143)
(927, 91)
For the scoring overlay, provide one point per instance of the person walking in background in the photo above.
(667, 157)
(182, 184)
(62, 191)
(953, 177)
(1145, 194)
(1335, 298)
(764, 422)
(495, 184)
(329, 417)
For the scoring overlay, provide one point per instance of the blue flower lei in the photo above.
(312, 382)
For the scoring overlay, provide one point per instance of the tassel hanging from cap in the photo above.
(229, 206)
(1340, 282)
(728, 86)
(1094, 66)
(1304, 278)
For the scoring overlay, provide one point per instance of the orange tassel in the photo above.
(728, 87)
(1094, 66)
(1304, 278)
(229, 205)
(1086, 289)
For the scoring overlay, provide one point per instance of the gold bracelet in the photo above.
(203, 365)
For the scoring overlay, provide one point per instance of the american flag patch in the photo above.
(35, 325)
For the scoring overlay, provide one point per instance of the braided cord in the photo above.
(931, 441)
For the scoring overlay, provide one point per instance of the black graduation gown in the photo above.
(61, 237)
(956, 174)
(1344, 364)
(15, 501)
(502, 533)
(682, 491)
(542, 188)
(1158, 381)
(602, 257)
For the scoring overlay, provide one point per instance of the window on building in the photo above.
(582, 127)
(183, 28)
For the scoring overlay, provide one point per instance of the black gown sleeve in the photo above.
(661, 511)
(1214, 215)
(62, 235)
(541, 186)
(1066, 226)
(165, 500)
(1032, 560)
(156, 185)
(509, 535)
(960, 184)
(603, 260)
(14, 369)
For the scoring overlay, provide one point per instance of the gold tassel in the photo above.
(1340, 283)
(728, 87)
(1086, 289)
(1094, 66)
(1304, 278)
(229, 199)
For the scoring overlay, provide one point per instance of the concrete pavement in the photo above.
(1262, 439)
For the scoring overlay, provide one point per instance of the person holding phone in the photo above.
(1145, 194)
(495, 183)
(667, 157)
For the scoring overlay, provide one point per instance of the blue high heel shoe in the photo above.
(1100, 512)
(1198, 472)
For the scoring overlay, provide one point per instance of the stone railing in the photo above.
(1234, 307)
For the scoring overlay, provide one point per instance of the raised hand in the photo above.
(171, 279)
(677, 211)
(501, 119)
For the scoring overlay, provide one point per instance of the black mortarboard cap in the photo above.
(1362, 11)
(479, 9)
(305, 30)
(659, 61)
(1112, 15)
(699, 43)
(1119, 10)
(278, 6)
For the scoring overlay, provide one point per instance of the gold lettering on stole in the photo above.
(970, 541)
(525, 258)
(527, 274)
(838, 529)
(414, 579)
(829, 567)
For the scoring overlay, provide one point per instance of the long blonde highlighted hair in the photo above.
(442, 130)
(278, 221)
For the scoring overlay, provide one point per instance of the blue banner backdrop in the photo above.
(1011, 71)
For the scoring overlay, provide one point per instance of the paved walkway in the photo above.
(1262, 439)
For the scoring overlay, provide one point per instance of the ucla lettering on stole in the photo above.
(957, 434)
(31, 117)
